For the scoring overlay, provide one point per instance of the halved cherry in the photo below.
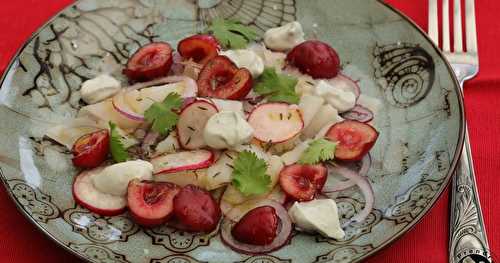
(354, 139)
(221, 78)
(257, 227)
(196, 209)
(199, 48)
(302, 182)
(90, 150)
(149, 62)
(151, 203)
(315, 58)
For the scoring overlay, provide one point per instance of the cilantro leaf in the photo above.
(161, 114)
(249, 174)
(118, 151)
(318, 151)
(277, 87)
(232, 33)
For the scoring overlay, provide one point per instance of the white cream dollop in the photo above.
(227, 129)
(114, 179)
(285, 37)
(99, 88)
(246, 58)
(320, 215)
(339, 98)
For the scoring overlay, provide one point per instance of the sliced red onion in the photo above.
(338, 186)
(191, 84)
(284, 233)
(366, 189)
(366, 163)
(333, 185)
(177, 67)
(187, 101)
(149, 141)
(123, 108)
(358, 113)
(344, 82)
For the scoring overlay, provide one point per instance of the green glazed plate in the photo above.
(421, 121)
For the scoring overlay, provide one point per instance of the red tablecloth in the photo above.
(427, 242)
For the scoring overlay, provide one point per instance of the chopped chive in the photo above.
(202, 108)
(191, 128)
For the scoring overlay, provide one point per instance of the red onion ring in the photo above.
(177, 67)
(358, 113)
(122, 107)
(365, 187)
(331, 187)
(191, 84)
(284, 233)
(187, 101)
(149, 140)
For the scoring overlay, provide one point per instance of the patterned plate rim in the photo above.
(383, 245)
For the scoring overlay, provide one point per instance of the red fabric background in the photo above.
(427, 242)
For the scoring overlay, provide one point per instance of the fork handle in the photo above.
(467, 232)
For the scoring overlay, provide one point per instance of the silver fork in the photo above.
(467, 233)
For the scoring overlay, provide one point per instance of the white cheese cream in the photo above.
(114, 179)
(285, 37)
(319, 215)
(227, 129)
(339, 98)
(246, 58)
(99, 88)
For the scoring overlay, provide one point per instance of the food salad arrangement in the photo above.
(257, 137)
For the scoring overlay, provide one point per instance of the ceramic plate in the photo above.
(420, 121)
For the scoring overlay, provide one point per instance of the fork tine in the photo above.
(457, 27)
(446, 25)
(433, 21)
(470, 26)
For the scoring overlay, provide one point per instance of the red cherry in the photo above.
(354, 139)
(221, 78)
(196, 209)
(199, 48)
(151, 203)
(315, 58)
(149, 62)
(257, 227)
(90, 150)
(302, 182)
